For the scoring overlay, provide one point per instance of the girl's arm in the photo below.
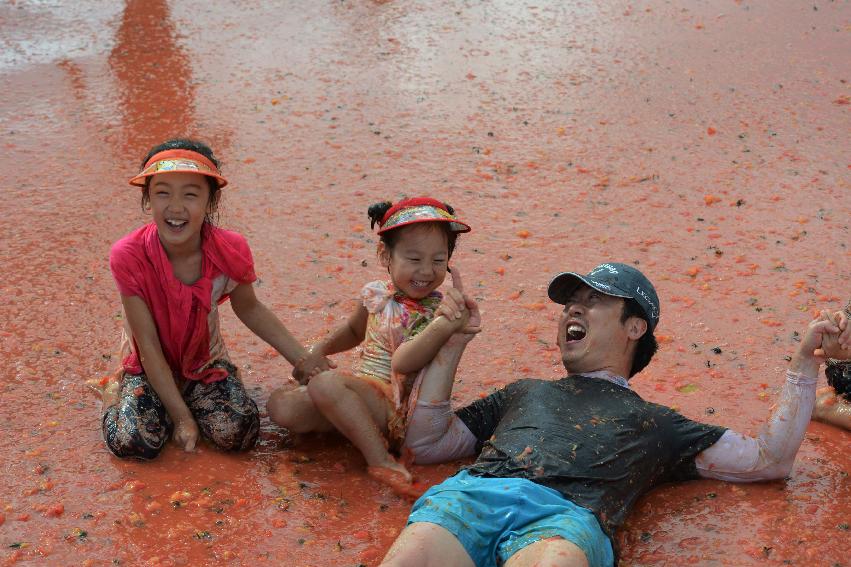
(414, 354)
(345, 337)
(157, 370)
(264, 324)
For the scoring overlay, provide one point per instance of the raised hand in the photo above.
(453, 305)
(837, 345)
(809, 355)
(470, 322)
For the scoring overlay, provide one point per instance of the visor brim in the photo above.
(563, 284)
(139, 180)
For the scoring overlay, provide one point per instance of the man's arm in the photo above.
(739, 458)
(435, 433)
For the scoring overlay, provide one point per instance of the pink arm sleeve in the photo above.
(436, 435)
(739, 458)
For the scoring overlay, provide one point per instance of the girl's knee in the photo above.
(324, 387)
(127, 438)
(285, 406)
(234, 431)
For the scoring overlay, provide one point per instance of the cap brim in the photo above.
(454, 225)
(139, 180)
(563, 284)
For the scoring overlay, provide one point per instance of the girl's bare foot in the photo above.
(107, 388)
(394, 475)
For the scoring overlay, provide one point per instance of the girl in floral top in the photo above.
(401, 324)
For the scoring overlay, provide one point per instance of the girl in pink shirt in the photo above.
(172, 274)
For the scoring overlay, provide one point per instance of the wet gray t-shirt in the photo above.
(597, 443)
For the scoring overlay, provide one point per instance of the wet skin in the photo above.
(178, 204)
(418, 261)
(601, 340)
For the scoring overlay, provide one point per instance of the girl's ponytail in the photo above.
(377, 211)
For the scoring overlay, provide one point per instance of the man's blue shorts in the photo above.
(494, 518)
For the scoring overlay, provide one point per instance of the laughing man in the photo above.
(561, 463)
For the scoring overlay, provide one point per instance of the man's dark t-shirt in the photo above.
(597, 443)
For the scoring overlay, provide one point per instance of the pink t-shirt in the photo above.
(185, 314)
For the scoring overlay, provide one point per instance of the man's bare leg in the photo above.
(551, 552)
(423, 544)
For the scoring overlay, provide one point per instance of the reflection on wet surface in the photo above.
(706, 142)
(153, 74)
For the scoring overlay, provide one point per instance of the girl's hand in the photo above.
(453, 305)
(469, 322)
(837, 345)
(186, 433)
(311, 365)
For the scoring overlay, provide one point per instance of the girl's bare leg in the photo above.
(292, 408)
(832, 409)
(359, 409)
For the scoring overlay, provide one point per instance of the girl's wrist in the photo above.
(181, 415)
(300, 356)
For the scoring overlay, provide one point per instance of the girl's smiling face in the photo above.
(179, 203)
(418, 261)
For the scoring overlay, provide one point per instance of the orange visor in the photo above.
(169, 161)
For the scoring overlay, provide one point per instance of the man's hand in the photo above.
(311, 365)
(186, 433)
(837, 346)
(810, 355)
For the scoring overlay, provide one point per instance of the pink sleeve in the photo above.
(232, 253)
(125, 268)
(739, 458)
(436, 435)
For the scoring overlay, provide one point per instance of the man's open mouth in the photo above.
(575, 332)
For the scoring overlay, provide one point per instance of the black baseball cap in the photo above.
(615, 279)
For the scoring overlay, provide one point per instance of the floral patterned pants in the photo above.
(138, 425)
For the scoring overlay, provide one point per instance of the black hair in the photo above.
(195, 146)
(377, 211)
(839, 378)
(647, 344)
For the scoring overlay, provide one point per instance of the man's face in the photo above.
(590, 333)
